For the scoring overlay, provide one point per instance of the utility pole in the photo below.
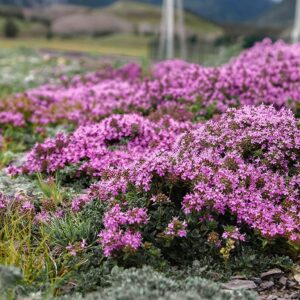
(296, 30)
(181, 29)
(170, 26)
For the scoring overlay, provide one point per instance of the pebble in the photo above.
(266, 285)
(295, 295)
(291, 283)
(238, 284)
(283, 281)
(271, 273)
(257, 280)
(272, 297)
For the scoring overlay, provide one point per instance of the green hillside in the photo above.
(140, 13)
(26, 28)
(143, 22)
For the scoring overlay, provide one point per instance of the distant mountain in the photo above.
(230, 11)
(120, 17)
(223, 11)
(280, 15)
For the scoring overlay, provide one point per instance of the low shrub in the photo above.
(11, 29)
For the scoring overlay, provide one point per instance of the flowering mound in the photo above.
(83, 99)
(268, 73)
(124, 168)
(242, 170)
(114, 142)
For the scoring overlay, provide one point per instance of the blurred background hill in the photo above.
(215, 10)
(131, 27)
(69, 18)
(279, 15)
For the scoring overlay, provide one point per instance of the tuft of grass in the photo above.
(69, 229)
(23, 247)
(51, 189)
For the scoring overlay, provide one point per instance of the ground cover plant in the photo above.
(173, 174)
(24, 68)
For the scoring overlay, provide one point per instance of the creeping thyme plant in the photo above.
(183, 164)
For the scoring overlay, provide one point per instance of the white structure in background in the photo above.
(296, 30)
(170, 27)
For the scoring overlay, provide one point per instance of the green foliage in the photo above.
(50, 188)
(93, 212)
(248, 262)
(6, 157)
(250, 40)
(75, 227)
(9, 185)
(174, 268)
(248, 258)
(24, 68)
(69, 229)
(251, 261)
(92, 276)
(68, 176)
(146, 283)
(18, 140)
(25, 246)
(198, 106)
(49, 34)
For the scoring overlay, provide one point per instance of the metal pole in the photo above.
(167, 29)
(170, 28)
(296, 30)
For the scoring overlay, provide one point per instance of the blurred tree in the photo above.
(49, 33)
(250, 40)
(10, 28)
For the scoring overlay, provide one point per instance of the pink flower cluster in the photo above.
(134, 132)
(13, 118)
(81, 100)
(19, 203)
(24, 205)
(74, 249)
(114, 142)
(268, 73)
(233, 233)
(247, 164)
(3, 202)
(176, 228)
(120, 231)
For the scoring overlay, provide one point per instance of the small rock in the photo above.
(296, 273)
(295, 295)
(291, 283)
(283, 281)
(297, 277)
(257, 280)
(238, 277)
(266, 285)
(271, 273)
(272, 297)
(238, 284)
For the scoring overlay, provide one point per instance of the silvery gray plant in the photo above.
(10, 278)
